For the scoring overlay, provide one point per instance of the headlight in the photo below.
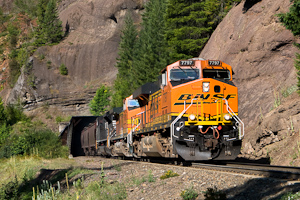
(227, 117)
(192, 117)
(205, 86)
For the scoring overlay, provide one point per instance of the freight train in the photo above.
(190, 112)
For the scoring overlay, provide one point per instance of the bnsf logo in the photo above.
(185, 97)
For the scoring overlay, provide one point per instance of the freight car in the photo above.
(190, 112)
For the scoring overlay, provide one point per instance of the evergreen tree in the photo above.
(49, 29)
(190, 24)
(53, 27)
(41, 9)
(124, 82)
(152, 55)
(99, 104)
(291, 21)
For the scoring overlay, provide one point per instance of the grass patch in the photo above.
(105, 191)
(19, 175)
(59, 119)
(151, 177)
(289, 90)
(189, 194)
(138, 180)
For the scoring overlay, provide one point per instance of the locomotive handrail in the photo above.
(230, 111)
(177, 118)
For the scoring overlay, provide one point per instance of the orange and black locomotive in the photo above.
(190, 112)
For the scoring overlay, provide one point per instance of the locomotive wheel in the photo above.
(216, 153)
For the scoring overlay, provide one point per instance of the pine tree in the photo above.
(189, 27)
(49, 29)
(124, 82)
(41, 10)
(191, 23)
(53, 27)
(99, 104)
(152, 53)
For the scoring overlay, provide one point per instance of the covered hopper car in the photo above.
(190, 112)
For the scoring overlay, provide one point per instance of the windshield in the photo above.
(216, 73)
(133, 103)
(184, 74)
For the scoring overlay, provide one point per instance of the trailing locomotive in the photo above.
(190, 112)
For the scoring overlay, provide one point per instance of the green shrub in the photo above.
(100, 103)
(4, 133)
(22, 56)
(14, 114)
(29, 140)
(169, 174)
(59, 119)
(10, 190)
(63, 70)
(189, 194)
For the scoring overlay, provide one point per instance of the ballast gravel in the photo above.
(138, 177)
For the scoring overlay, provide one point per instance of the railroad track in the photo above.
(280, 172)
(254, 169)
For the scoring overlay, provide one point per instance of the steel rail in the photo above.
(281, 172)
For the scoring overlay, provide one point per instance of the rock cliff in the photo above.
(89, 52)
(260, 49)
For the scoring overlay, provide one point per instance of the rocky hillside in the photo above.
(89, 52)
(261, 51)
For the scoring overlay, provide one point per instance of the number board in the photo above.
(186, 62)
(214, 62)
